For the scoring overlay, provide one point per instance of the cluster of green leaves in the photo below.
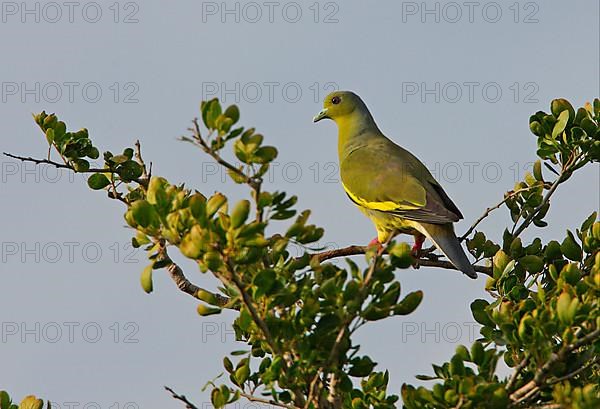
(469, 379)
(119, 168)
(76, 150)
(564, 131)
(544, 317)
(566, 140)
(73, 147)
(28, 402)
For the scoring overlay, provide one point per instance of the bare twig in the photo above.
(489, 210)
(188, 404)
(52, 163)
(204, 145)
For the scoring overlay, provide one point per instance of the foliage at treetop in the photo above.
(297, 315)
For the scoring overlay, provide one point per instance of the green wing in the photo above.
(385, 177)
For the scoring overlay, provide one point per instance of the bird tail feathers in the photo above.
(443, 237)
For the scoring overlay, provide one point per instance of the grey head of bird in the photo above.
(347, 110)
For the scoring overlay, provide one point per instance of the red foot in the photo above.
(416, 249)
(375, 242)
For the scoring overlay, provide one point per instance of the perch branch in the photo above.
(355, 250)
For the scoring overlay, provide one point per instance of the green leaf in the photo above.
(119, 159)
(463, 353)
(4, 400)
(217, 398)
(240, 212)
(206, 310)
(236, 176)
(156, 192)
(560, 126)
(409, 303)
(233, 112)
(361, 367)
(562, 308)
(560, 105)
(81, 165)
(242, 373)
(143, 213)
(50, 136)
(401, 255)
(98, 181)
(93, 153)
(129, 170)
(146, 279)
(264, 281)
(589, 221)
(481, 316)
(215, 203)
(537, 170)
(265, 154)
(477, 353)
(570, 248)
(533, 264)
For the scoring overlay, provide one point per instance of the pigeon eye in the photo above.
(336, 100)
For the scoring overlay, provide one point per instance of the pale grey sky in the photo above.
(454, 83)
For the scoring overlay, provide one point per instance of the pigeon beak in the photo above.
(321, 115)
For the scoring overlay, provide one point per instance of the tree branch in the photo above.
(188, 404)
(188, 287)
(55, 164)
(355, 250)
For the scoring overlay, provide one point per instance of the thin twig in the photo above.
(525, 223)
(489, 210)
(188, 404)
(215, 155)
(55, 164)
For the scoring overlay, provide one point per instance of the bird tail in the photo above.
(442, 235)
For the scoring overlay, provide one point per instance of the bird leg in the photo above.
(416, 249)
(377, 243)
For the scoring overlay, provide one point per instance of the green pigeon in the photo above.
(389, 184)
